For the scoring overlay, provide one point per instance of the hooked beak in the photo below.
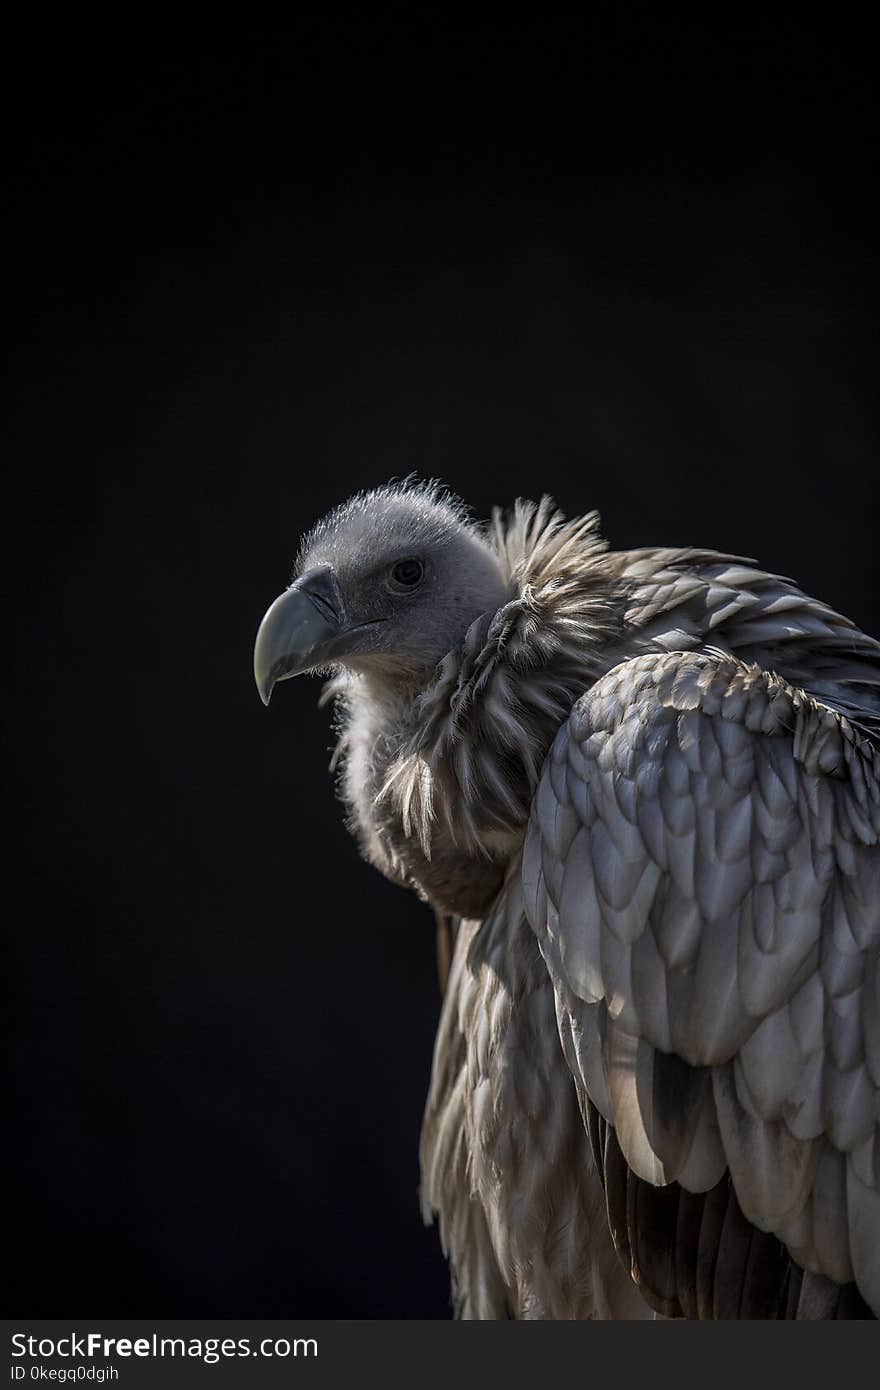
(299, 630)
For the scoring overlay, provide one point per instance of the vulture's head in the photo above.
(385, 586)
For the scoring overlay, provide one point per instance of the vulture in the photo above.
(641, 791)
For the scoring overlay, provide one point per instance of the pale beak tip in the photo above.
(264, 686)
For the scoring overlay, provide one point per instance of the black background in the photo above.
(623, 262)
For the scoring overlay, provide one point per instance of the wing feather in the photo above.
(702, 872)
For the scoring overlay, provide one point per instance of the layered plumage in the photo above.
(645, 786)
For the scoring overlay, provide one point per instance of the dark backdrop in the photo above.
(626, 264)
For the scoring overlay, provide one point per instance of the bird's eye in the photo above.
(406, 574)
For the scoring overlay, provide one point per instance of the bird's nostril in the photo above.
(324, 606)
(321, 587)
